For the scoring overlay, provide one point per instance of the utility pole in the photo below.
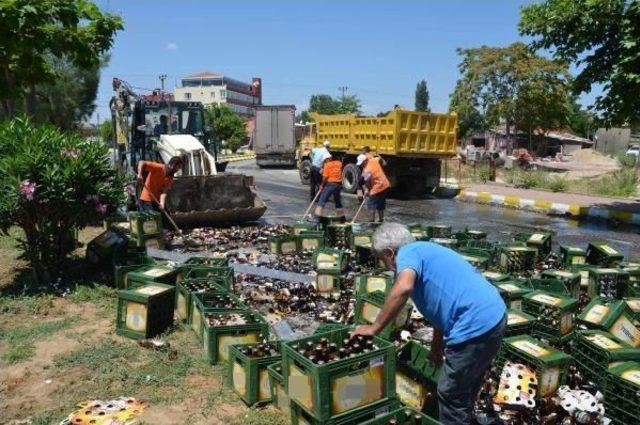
(343, 90)
(162, 77)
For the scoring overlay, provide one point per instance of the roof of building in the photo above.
(200, 75)
(563, 136)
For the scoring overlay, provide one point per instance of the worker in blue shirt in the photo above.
(465, 310)
(317, 155)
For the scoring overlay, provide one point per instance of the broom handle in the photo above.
(306, 213)
(364, 199)
(166, 214)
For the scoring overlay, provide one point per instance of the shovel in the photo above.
(364, 199)
(306, 213)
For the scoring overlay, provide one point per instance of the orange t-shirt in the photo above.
(332, 171)
(375, 175)
(157, 181)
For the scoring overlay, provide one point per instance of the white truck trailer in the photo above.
(274, 140)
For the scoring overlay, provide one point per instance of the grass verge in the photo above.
(20, 341)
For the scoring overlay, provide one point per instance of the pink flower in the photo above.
(27, 189)
(101, 208)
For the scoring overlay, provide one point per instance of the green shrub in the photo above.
(627, 161)
(527, 179)
(52, 184)
(622, 183)
(557, 184)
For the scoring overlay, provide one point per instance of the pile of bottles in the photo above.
(265, 349)
(220, 301)
(232, 319)
(323, 351)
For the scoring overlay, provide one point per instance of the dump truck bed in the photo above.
(399, 133)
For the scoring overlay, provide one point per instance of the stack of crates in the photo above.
(416, 376)
(517, 259)
(367, 283)
(512, 292)
(595, 351)
(540, 241)
(216, 300)
(144, 275)
(302, 226)
(550, 365)
(613, 316)
(621, 388)
(553, 313)
(248, 375)
(361, 238)
(519, 323)
(310, 240)
(283, 244)
(184, 291)
(602, 255)
(439, 231)
(570, 279)
(218, 338)
(121, 270)
(278, 391)
(634, 305)
(339, 389)
(145, 311)
(403, 416)
(145, 229)
(329, 263)
(338, 235)
(572, 257)
(368, 307)
(222, 275)
(608, 283)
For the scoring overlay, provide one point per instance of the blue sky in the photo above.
(379, 49)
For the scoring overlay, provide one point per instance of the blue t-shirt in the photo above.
(316, 156)
(450, 293)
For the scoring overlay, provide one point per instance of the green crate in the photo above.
(103, 247)
(404, 415)
(553, 286)
(613, 316)
(361, 239)
(338, 235)
(478, 261)
(120, 270)
(160, 272)
(283, 244)
(550, 365)
(303, 226)
(327, 284)
(145, 311)
(309, 240)
(571, 280)
(144, 226)
(571, 256)
(217, 339)
(446, 242)
(366, 257)
(336, 388)
(439, 231)
(517, 258)
(184, 291)
(118, 221)
(416, 375)
(602, 255)
(512, 292)
(299, 416)
(495, 277)
(554, 313)
(330, 260)
(207, 261)
(541, 241)
(418, 231)
(369, 305)
(467, 235)
(367, 283)
(223, 275)
(594, 351)
(204, 303)
(583, 271)
(634, 305)
(131, 256)
(278, 392)
(156, 242)
(621, 388)
(607, 282)
(248, 375)
(519, 323)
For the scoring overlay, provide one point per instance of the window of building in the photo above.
(223, 94)
(187, 96)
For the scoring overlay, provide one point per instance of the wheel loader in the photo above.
(155, 128)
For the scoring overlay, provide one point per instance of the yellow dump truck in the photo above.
(411, 143)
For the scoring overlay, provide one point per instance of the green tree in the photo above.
(106, 133)
(323, 104)
(580, 120)
(422, 97)
(349, 104)
(470, 119)
(227, 125)
(602, 39)
(304, 116)
(34, 31)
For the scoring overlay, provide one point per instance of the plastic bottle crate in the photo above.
(361, 239)
(517, 258)
(368, 306)
(634, 305)
(309, 241)
(519, 323)
(365, 256)
(248, 376)
(217, 339)
(116, 221)
(120, 271)
(607, 282)
(303, 226)
(495, 277)
(331, 390)
(404, 416)
(327, 284)
(446, 242)
(418, 231)
(416, 375)
(541, 241)
(367, 283)
(553, 286)
(549, 364)
(223, 275)
(633, 287)
(338, 235)
(583, 271)
(301, 417)
(571, 256)
(621, 388)
(554, 313)
(512, 292)
(207, 261)
(283, 244)
(613, 316)
(130, 256)
(102, 248)
(603, 255)
(477, 261)
(571, 280)
(201, 306)
(330, 260)
(144, 226)
(330, 327)
(184, 291)
(594, 351)
(146, 311)
(439, 231)
(467, 235)
(278, 393)
(153, 273)
(156, 242)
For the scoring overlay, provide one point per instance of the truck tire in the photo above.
(350, 176)
(305, 172)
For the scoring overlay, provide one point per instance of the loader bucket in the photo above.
(200, 201)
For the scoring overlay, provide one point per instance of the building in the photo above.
(209, 88)
(616, 141)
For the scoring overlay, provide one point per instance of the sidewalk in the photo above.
(624, 210)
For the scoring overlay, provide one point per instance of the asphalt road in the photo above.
(287, 199)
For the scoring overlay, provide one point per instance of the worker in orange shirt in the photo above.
(375, 185)
(331, 185)
(157, 183)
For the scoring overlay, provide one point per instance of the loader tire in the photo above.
(350, 176)
(305, 172)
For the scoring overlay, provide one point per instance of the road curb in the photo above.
(548, 207)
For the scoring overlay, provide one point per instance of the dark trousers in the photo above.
(316, 179)
(146, 206)
(463, 372)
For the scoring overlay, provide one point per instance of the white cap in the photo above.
(325, 156)
(326, 143)
(361, 158)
